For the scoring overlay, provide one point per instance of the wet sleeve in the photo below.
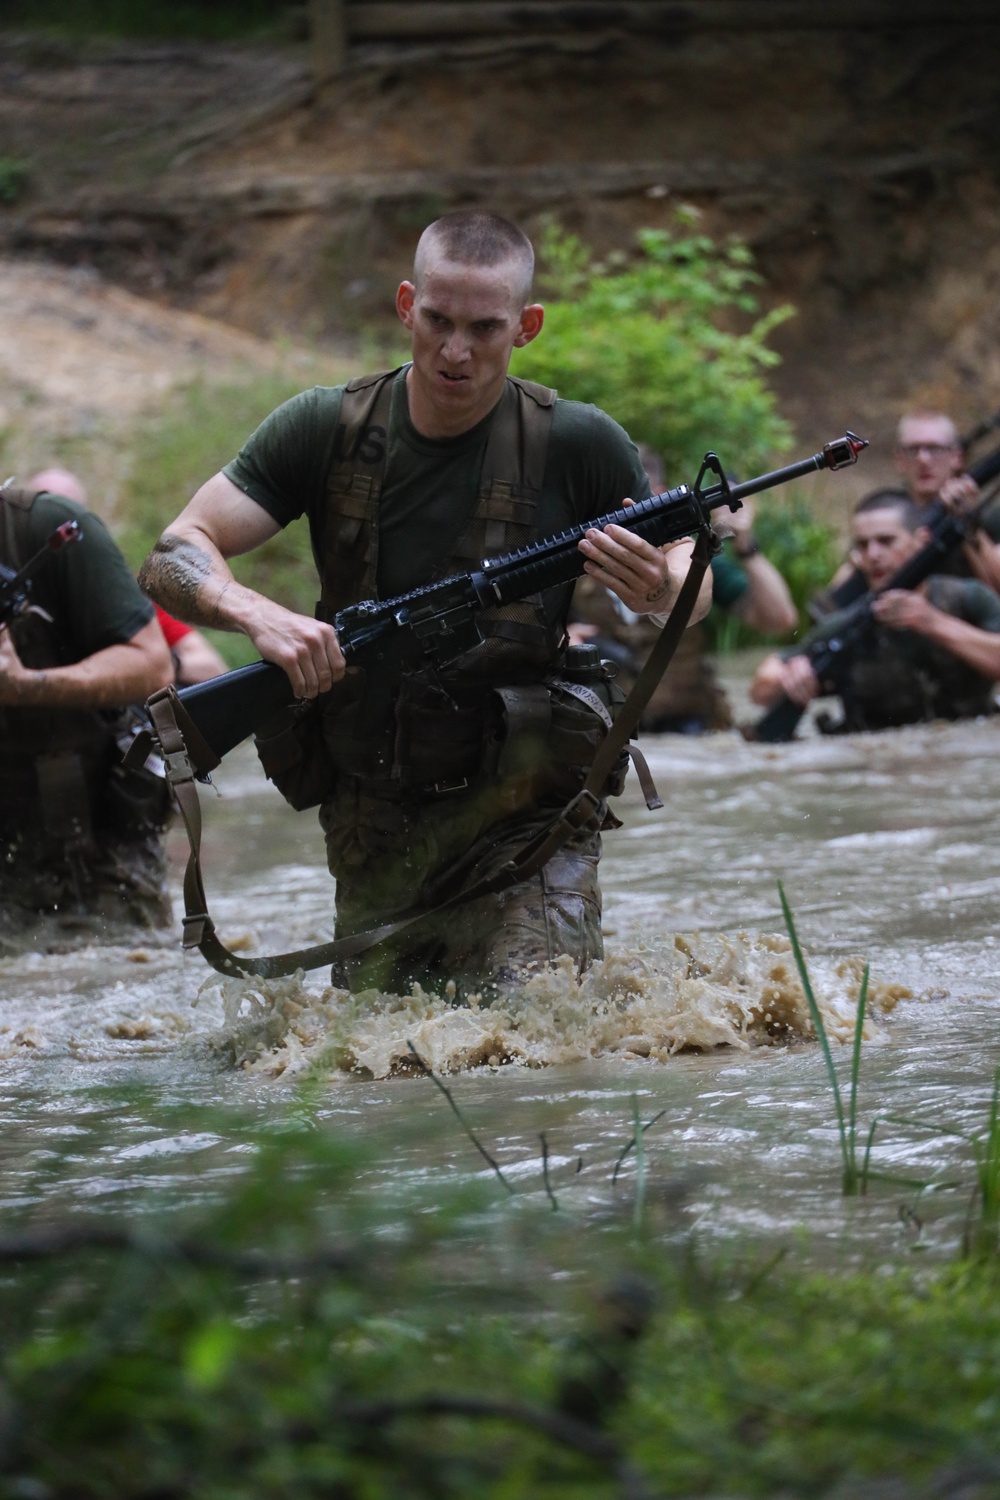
(88, 587)
(282, 465)
(982, 606)
(729, 581)
(991, 522)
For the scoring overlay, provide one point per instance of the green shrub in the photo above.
(805, 551)
(13, 178)
(650, 338)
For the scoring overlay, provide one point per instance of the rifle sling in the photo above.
(168, 715)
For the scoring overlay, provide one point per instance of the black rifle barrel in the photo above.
(14, 586)
(432, 624)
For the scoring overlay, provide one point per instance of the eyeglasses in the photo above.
(933, 450)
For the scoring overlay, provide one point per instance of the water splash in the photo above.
(704, 991)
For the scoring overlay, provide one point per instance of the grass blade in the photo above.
(818, 1027)
(640, 1164)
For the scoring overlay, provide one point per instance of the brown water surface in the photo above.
(889, 848)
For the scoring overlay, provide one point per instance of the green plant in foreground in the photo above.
(311, 1325)
(854, 1181)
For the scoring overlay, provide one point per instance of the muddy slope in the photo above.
(864, 169)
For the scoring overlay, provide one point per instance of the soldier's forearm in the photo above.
(979, 649)
(195, 584)
(983, 556)
(127, 672)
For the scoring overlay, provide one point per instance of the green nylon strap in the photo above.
(199, 929)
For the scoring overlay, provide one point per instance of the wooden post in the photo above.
(329, 38)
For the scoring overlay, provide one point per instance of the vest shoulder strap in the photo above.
(13, 501)
(542, 395)
(20, 498)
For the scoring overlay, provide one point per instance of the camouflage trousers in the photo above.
(386, 854)
(117, 882)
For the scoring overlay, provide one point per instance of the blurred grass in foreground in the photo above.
(314, 1328)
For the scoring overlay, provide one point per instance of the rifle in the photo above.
(15, 588)
(982, 471)
(829, 658)
(437, 623)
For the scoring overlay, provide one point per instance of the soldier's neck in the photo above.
(432, 419)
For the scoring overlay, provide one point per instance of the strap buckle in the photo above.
(179, 767)
(582, 810)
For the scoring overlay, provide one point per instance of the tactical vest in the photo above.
(434, 729)
(886, 687)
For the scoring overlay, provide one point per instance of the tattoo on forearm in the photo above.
(173, 575)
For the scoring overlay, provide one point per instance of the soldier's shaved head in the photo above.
(476, 238)
(927, 425)
(910, 515)
(59, 482)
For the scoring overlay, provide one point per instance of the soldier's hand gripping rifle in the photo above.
(939, 519)
(15, 587)
(436, 624)
(830, 658)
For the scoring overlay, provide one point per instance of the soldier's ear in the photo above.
(532, 318)
(922, 536)
(405, 298)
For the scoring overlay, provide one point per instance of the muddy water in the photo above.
(889, 848)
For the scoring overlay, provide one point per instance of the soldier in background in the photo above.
(688, 699)
(79, 836)
(931, 652)
(931, 460)
(195, 658)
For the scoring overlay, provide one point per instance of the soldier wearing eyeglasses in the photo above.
(930, 458)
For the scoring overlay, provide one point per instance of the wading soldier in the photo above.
(932, 652)
(931, 460)
(406, 477)
(79, 837)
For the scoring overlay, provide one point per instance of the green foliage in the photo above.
(310, 1327)
(197, 432)
(805, 550)
(13, 178)
(649, 338)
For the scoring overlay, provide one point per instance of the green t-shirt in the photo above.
(729, 580)
(900, 676)
(87, 586)
(431, 484)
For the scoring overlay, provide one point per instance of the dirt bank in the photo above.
(862, 169)
(81, 361)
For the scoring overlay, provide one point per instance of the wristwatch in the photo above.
(750, 548)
